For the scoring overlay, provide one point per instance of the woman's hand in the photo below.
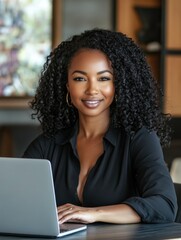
(71, 213)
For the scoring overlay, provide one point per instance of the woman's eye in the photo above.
(78, 79)
(104, 79)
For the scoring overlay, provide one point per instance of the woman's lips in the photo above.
(91, 103)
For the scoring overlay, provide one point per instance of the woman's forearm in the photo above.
(121, 214)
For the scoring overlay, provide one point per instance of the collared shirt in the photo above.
(130, 171)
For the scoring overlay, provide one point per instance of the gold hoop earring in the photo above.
(67, 100)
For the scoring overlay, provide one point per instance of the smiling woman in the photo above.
(98, 105)
(91, 87)
(91, 83)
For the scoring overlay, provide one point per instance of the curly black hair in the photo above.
(137, 102)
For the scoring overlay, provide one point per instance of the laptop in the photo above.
(27, 200)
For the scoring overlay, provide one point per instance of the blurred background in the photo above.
(30, 29)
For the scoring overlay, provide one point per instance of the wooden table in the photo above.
(125, 232)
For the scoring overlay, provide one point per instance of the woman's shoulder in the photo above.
(145, 139)
(43, 144)
(144, 132)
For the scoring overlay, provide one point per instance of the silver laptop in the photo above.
(27, 199)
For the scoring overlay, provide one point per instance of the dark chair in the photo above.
(178, 192)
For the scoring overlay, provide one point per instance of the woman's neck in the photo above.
(92, 127)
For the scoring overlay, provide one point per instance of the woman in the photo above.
(98, 105)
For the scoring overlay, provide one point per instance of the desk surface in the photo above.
(111, 232)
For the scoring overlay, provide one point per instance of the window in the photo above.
(25, 41)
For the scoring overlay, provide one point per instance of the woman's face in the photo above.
(91, 82)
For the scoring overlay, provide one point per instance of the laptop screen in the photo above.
(28, 204)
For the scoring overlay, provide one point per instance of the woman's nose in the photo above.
(92, 88)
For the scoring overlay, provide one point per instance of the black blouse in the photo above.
(130, 171)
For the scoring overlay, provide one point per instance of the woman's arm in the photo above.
(157, 202)
(120, 214)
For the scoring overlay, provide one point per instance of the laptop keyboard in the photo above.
(64, 228)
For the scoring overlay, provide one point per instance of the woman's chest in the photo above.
(109, 181)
